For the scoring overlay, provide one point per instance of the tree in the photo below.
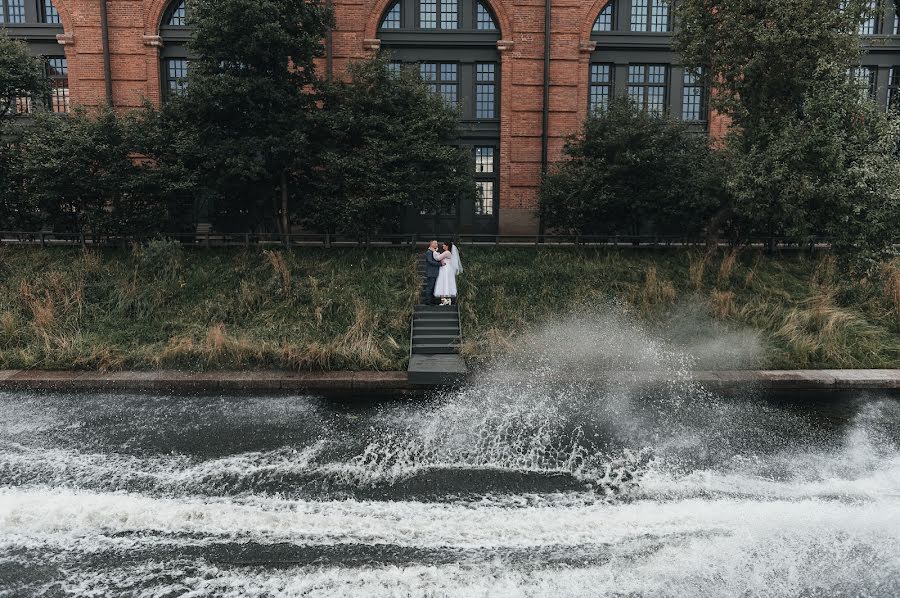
(832, 169)
(387, 145)
(630, 171)
(809, 153)
(242, 123)
(21, 76)
(82, 175)
(761, 56)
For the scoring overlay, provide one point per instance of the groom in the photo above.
(432, 269)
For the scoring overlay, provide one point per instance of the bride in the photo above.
(445, 288)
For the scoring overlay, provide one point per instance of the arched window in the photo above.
(176, 15)
(606, 19)
(484, 20)
(174, 59)
(452, 45)
(392, 18)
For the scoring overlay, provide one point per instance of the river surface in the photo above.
(504, 489)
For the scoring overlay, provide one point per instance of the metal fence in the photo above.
(216, 239)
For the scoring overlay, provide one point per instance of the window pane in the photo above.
(394, 67)
(483, 19)
(865, 77)
(179, 15)
(392, 18)
(16, 12)
(484, 199)
(484, 160)
(50, 14)
(176, 76)
(647, 87)
(869, 24)
(449, 14)
(428, 14)
(693, 99)
(659, 21)
(428, 71)
(58, 72)
(893, 86)
(604, 21)
(639, 14)
(485, 90)
(601, 86)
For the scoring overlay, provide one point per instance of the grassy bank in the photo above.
(163, 307)
(799, 308)
(314, 309)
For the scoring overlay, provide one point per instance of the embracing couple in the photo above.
(441, 267)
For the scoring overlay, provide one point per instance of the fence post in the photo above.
(246, 240)
(43, 243)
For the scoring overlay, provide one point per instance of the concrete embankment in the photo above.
(362, 383)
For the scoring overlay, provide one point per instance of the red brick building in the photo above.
(522, 91)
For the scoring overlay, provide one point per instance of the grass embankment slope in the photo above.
(316, 309)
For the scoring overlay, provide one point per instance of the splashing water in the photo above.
(587, 463)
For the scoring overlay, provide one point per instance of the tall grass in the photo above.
(164, 306)
(801, 308)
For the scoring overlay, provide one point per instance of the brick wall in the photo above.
(134, 44)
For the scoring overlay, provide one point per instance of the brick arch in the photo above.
(65, 17)
(588, 24)
(381, 6)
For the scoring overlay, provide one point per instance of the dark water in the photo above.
(523, 488)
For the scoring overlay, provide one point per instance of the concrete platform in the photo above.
(430, 371)
(436, 370)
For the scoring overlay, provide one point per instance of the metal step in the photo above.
(438, 329)
(433, 350)
(435, 339)
(445, 309)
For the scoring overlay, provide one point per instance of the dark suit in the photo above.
(432, 269)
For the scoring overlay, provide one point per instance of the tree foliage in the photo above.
(243, 122)
(80, 174)
(386, 145)
(761, 56)
(809, 153)
(832, 170)
(21, 75)
(631, 172)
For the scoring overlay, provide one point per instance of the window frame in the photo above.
(647, 24)
(609, 84)
(646, 85)
(698, 83)
(610, 11)
(494, 89)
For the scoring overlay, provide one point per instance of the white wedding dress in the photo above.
(451, 266)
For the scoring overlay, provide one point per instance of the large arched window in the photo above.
(37, 22)
(174, 59)
(452, 44)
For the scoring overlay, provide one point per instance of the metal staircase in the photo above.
(436, 334)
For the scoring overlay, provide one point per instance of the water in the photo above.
(541, 479)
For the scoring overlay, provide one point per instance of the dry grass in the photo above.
(281, 268)
(697, 270)
(891, 275)
(727, 267)
(154, 307)
(655, 291)
(722, 303)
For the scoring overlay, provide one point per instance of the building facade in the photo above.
(523, 82)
